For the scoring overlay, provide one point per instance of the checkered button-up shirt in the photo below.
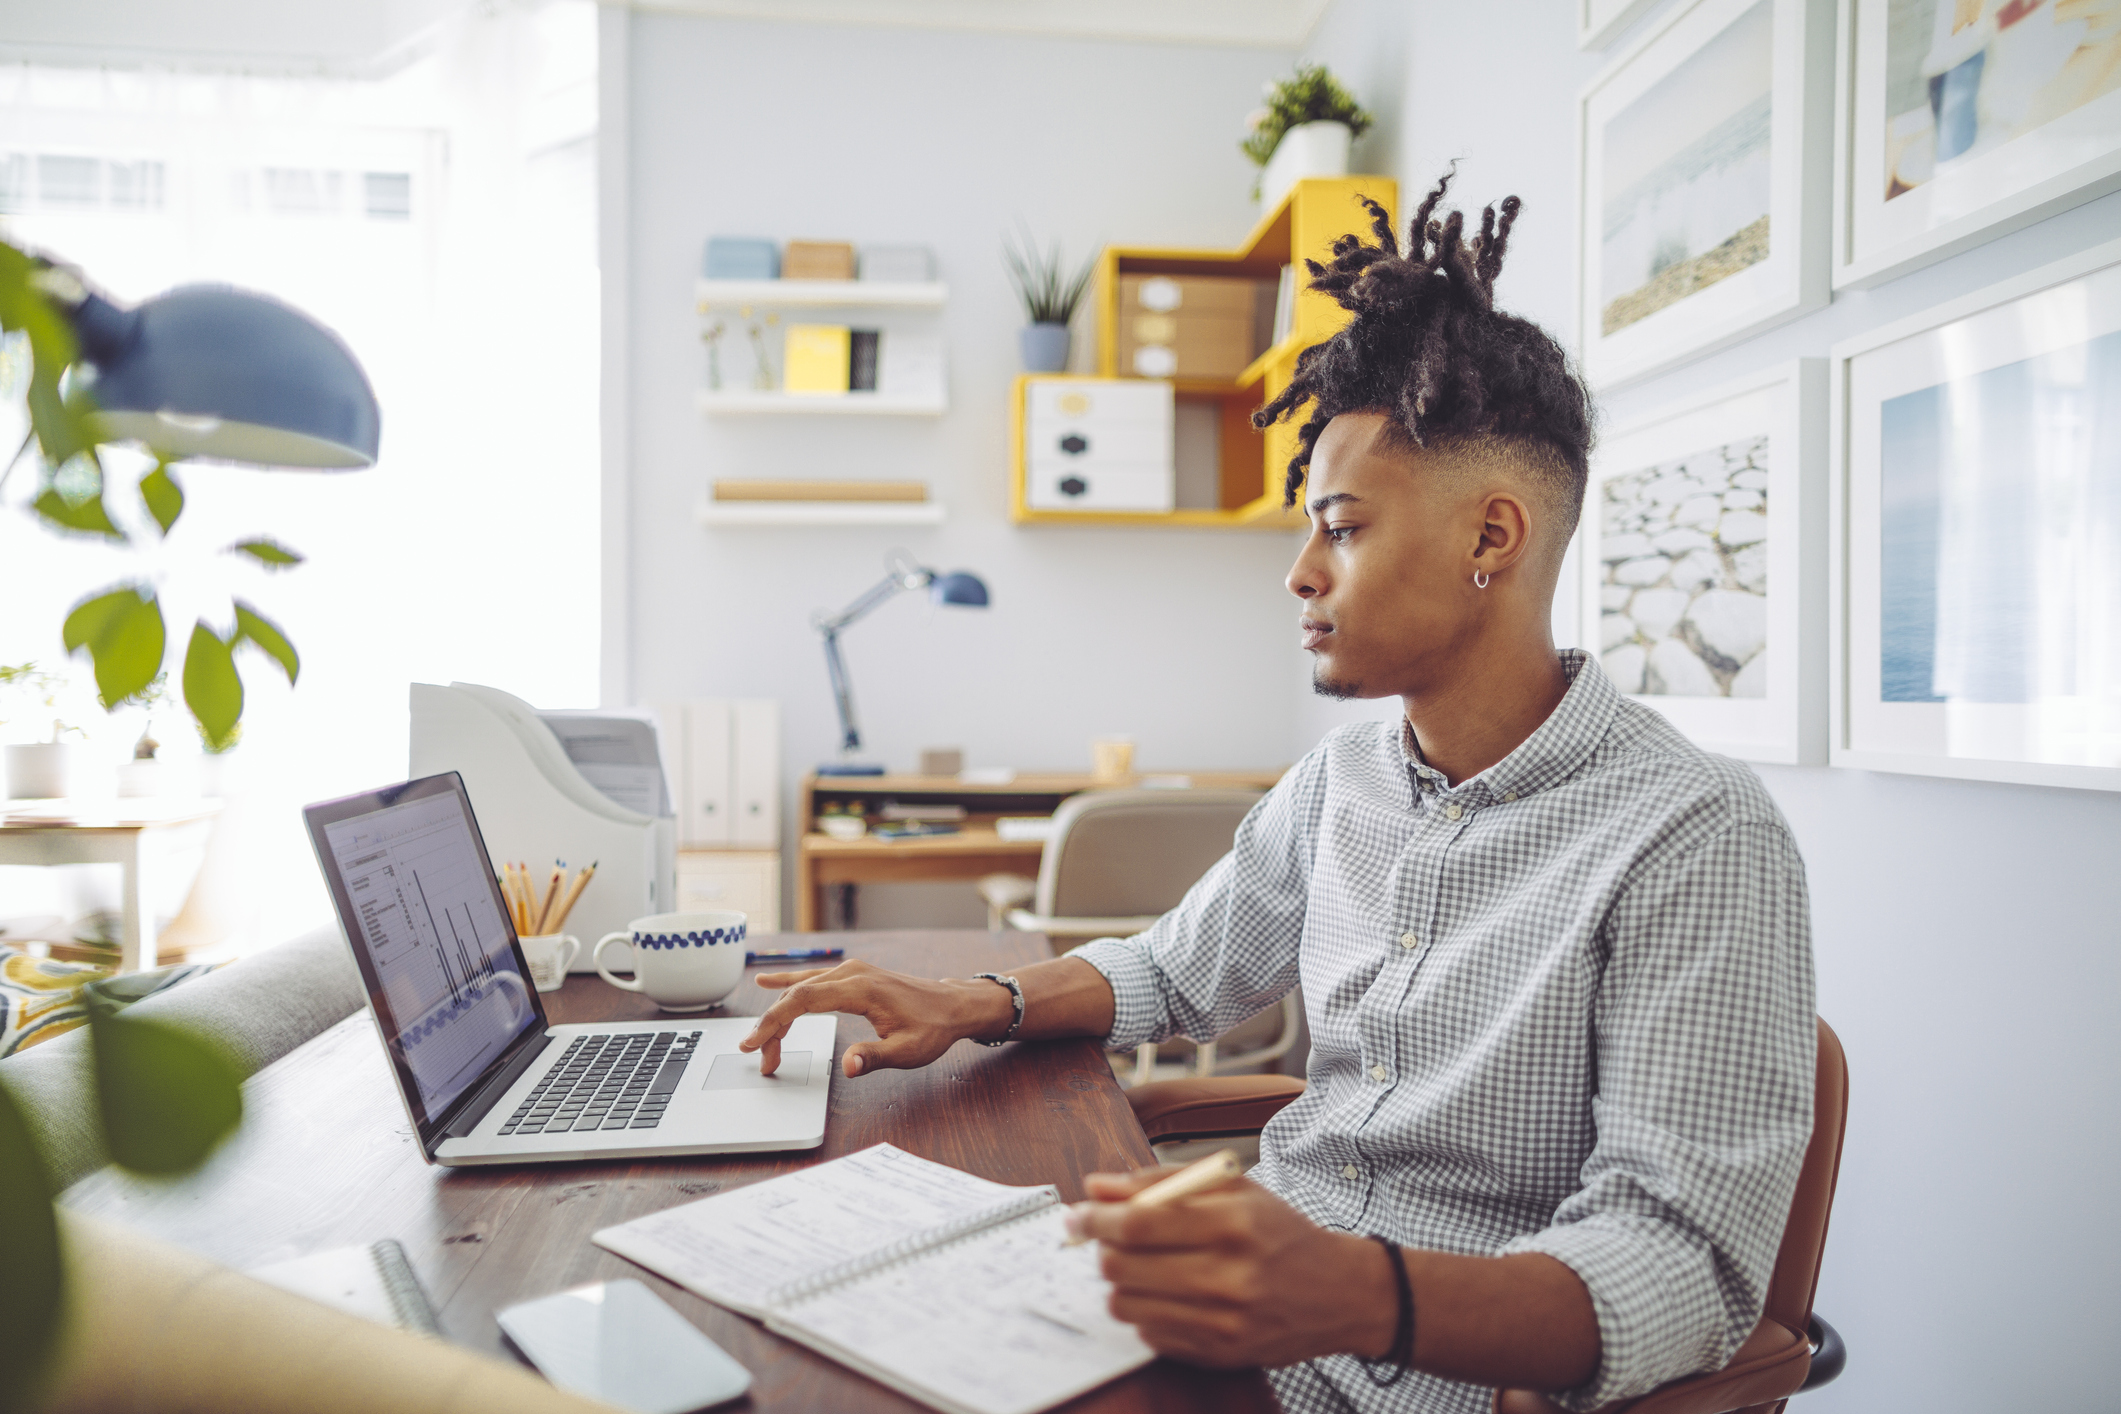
(1564, 1006)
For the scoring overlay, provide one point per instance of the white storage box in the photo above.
(1098, 444)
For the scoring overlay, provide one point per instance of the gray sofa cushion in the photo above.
(259, 1007)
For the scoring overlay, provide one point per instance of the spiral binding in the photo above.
(918, 1245)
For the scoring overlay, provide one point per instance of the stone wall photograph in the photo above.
(1683, 582)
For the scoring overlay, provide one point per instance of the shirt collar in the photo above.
(1549, 756)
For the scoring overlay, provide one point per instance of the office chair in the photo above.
(1790, 1351)
(1120, 859)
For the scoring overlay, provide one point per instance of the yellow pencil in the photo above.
(574, 891)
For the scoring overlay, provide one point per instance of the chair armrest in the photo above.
(1025, 921)
(1211, 1105)
(1770, 1366)
(1828, 1353)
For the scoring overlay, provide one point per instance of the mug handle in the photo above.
(596, 959)
(571, 950)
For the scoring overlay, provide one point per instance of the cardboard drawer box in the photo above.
(1191, 326)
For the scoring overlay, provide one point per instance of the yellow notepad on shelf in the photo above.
(950, 1289)
(817, 358)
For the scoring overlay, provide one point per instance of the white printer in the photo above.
(586, 787)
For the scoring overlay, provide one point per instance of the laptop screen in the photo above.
(430, 933)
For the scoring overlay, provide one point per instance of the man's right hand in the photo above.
(916, 1019)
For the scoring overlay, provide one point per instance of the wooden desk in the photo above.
(325, 1159)
(136, 835)
(975, 850)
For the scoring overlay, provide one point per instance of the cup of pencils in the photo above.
(540, 913)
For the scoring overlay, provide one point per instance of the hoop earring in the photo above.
(1480, 581)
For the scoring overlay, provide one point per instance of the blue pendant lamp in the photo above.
(212, 371)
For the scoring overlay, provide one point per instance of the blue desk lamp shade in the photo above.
(958, 587)
(211, 371)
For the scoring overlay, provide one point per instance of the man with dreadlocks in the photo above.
(1556, 959)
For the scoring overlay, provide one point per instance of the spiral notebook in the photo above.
(950, 1289)
(375, 1282)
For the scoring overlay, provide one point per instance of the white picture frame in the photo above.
(1765, 433)
(2000, 659)
(1722, 109)
(1599, 22)
(1989, 190)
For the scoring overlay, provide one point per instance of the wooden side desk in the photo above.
(975, 850)
(324, 1159)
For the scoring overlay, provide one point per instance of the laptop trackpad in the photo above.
(734, 1071)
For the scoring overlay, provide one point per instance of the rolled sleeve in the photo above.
(1229, 950)
(1705, 1038)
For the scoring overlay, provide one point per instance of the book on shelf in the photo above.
(790, 489)
(948, 1288)
(862, 359)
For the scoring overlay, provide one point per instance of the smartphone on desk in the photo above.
(619, 1342)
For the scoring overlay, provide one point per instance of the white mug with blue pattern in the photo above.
(681, 961)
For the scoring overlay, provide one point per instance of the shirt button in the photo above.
(1454, 810)
(1410, 940)
(1509, 795)
(1350, 1171)
(1378, 1072)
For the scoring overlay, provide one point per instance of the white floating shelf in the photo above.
(742, 400)
(721, 294)
(713, 512)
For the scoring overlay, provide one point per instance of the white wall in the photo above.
(1968, 945)
(1183, 639)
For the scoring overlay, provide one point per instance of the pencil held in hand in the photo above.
(1210, 1173)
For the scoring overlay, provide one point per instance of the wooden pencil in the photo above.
(574, 891)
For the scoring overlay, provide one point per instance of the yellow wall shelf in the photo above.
(1316, 212)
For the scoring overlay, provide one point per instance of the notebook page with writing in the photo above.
(739, 1248)
(1005, 1320)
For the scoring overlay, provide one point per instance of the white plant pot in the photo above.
(1306, 150)
(44, 770)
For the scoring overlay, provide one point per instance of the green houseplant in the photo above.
(165, 1097)
(1050, 295)
(1303, 131)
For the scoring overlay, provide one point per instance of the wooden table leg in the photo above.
(806, 893)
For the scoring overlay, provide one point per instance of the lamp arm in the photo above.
(842, 691)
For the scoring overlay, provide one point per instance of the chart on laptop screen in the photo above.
(438, 944)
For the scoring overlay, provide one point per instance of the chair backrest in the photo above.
(1796, 1277)
(1123, 853)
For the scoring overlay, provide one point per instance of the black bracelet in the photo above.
(1401, 1355)
(1016, 998)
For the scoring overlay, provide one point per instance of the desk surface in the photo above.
(97, 813)
(325, 1159)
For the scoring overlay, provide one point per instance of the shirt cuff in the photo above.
(1645, 1309)
(1137, 1001)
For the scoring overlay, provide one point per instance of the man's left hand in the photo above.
(1236, 1276)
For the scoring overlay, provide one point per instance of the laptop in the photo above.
(485, 1077)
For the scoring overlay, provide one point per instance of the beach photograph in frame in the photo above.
(1703, 184)
(1978, 498)
(1962, 120)
(1703, 557)
(1599, 22)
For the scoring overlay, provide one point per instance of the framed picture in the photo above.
(1598, 21)
(1703, 192)
(1704, 545)
(1963, 119)
(1977, 534)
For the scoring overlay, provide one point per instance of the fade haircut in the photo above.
(1427, 348)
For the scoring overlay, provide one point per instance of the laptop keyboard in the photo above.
(607, 1082)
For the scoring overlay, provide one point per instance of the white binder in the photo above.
(535, 805)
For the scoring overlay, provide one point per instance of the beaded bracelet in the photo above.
(1401, 1355)
(1016, 995)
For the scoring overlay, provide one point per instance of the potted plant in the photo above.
(1050, 297)
(44, 768)
(1304, 131)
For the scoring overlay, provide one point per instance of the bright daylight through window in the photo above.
(440, 216)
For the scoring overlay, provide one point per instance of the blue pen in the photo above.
(753, 959)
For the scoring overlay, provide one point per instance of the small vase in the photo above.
(44, 770)
(1044, 348)
(1306, 150)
